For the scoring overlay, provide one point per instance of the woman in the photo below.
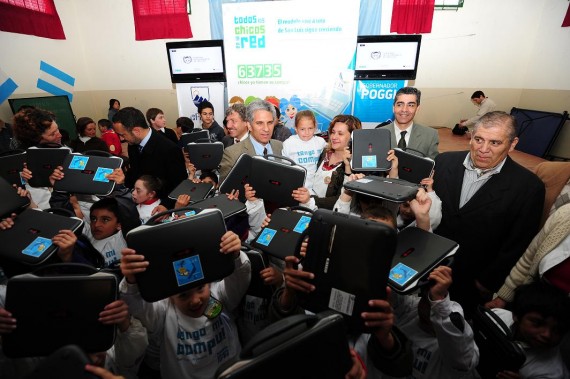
(32, 127)
(86, 138)
(333, 165)
(114, 106)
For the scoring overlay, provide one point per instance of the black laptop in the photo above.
(418, 252)
(284, 233)
(370, 149)
(67, 362)
(11, 201)
(41, 161)
(191, 257)
(86, 174)
(351, 259)
(195, 135)
(300, 346)
(226, 206)
(274, 178)
(393, 190)
(238, 177)
(205, 156)
(197, 191)
(11, 165)
(413, 167)
(29, 240)
(59, 305)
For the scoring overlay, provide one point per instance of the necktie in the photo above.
(402, 142)
(140, 148)
(264, 151)
(236, 140)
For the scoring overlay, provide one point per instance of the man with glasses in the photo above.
(407, 134)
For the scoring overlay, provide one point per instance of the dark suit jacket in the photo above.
(493, 228)
(170, 134)
(160, 157)
(232, 153)
(422, 139)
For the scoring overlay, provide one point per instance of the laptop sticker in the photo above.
(189, 213)
(363, 180)
(266, 236)
(101, 174)
(37, 247)
(368, 161)
(78, 163)
(302, 224)
(341, 301)
(401, 274)
(188, 270)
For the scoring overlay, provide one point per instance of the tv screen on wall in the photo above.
(196, 61)
(387, 57)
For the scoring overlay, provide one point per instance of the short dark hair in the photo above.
(130, 117)
(151, 113)
(409, 91)
(82, 123)
(105, 123)
(109, 204)
(152, 184)
(205, 104)
(209, 174)
(376, 210)
(477, 94)
(185, 123)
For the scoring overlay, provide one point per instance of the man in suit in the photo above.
(157, 121)
(236, 125)
(407, 134)
(261, 118)
(491, 206)
(149, 152)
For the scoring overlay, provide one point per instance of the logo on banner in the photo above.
(250, 32)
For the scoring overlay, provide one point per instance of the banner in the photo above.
(191, 94)
(296, 54)
(374, 100)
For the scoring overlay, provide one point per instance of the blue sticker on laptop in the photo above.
(101, 174)
(78, 162)
(369, 161)
(37, 247)
(188, 270)
(302, 224)
(190, 213)
(266, 236)
(401, 274)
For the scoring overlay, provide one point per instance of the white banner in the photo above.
(297, 54)
(191, 94)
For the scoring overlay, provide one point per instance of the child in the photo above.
(539, 319)
(304, 148)
(194, 338)
(146, 195)
(157, 121)
(110, 137)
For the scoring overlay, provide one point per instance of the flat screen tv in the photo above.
(387, 57)
(196, 61)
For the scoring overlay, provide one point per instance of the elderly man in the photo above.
(491, 206)
(261, 120)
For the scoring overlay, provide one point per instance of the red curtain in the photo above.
(412, 16)
(566, 21)
(32, 17)
(160, 19)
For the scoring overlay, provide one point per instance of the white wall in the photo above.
(514, 50)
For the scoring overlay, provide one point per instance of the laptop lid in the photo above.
(11, 201)
(86, 174)
(284, 233)
(394, 190)
(196, 134)
(190, 258)
(29, 241)
(41, 161)
(11, 165)
(226, 206)
(196, 191)
(67, 362)
(413, 167)
(350, 258)
(370, 149)
(205, 156)
(238, 177)
(59, 308)
(418, 252)
(299, 346)
(275, 180)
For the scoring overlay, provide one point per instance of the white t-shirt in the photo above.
(110, 247)
(305, 153)
(145, 210)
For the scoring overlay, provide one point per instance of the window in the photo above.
(160, 19)
(32, 17)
